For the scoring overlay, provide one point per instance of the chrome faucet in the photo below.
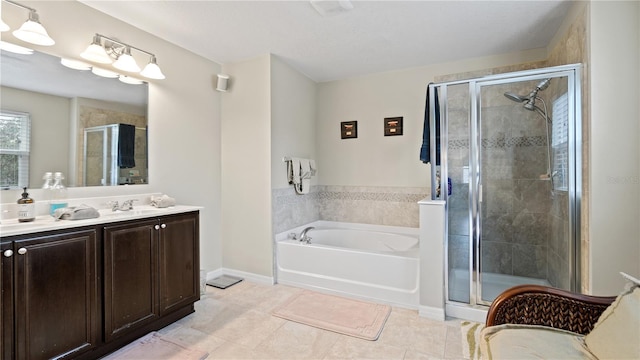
(304, 237)
(125, 206)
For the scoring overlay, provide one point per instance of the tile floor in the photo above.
(236, 323)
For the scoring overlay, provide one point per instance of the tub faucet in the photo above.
(304, 237)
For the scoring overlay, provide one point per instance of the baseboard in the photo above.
(431, 313)
(260, 279)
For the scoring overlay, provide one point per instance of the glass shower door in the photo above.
(524, 199)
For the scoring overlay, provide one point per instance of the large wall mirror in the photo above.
(54, 118)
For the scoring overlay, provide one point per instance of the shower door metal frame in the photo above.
(572, 72)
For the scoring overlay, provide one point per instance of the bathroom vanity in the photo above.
(92, 286)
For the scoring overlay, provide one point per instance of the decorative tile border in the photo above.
(500, 143)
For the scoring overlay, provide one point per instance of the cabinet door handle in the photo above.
(157, 227)
(22, 251)
(8, 253)
(163, 226)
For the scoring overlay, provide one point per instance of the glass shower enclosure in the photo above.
(511, 152)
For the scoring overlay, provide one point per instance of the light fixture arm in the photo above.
(121, 43)
(20, 5)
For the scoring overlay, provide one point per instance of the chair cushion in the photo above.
(511, 341)
(616, 335)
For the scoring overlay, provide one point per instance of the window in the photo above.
(560, 143)
(15, 136)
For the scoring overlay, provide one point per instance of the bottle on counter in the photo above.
(26, 208)
(58, 193)
(46, 187)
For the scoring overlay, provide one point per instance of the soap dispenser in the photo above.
(26, 208)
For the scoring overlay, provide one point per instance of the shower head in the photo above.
(531, 98)
(543, 85)
(515, 97)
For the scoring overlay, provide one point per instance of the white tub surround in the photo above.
(373, 262)
(432, 240)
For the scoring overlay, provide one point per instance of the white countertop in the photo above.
(12, 227)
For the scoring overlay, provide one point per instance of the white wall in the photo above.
(293, 107)
(50, 130)
(184, 117)
(615, 170)
(246, 167)
(373, 159)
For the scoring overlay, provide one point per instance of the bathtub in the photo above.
(372, 262)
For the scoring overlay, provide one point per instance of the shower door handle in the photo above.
(480, 193)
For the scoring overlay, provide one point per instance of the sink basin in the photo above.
(106, 213)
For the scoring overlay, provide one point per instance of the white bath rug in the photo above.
(471, 339)
(351, 317)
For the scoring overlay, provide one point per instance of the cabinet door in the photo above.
(56, 295)
(179, 261)
(6, 301)
(130, 277)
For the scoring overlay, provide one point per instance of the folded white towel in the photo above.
(162, 201)
(295, 170)
(79, 212)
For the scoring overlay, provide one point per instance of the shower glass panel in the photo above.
(524, 161)
(459, 225)
(511, 151)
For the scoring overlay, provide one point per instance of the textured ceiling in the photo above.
(374, 36)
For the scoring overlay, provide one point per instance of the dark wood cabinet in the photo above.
(84, 292)
(179, 265)
(151, 268)
(53, 281)
(130, 277)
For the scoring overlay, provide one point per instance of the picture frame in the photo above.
(393, 126)
(349, 129)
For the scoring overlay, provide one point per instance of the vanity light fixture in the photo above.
(126, 62)
(32, 30)
(104, 72)
(114, 49)
(16, 49)
(152, 70)
(96, 53)
(3, 26)
(75, 64)
(129, 80)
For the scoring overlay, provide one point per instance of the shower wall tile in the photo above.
(530, 162)
(530, 261)
(532, 196)
(498, 197)
(496, 257)
(558, 268)
(458, 256)
(498, 227)
(531, 228)
(559, 237)
(459, 222)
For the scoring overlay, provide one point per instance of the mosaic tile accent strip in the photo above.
(500, 143)
(373, 196)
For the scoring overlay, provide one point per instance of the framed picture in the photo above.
(349, 129)
(393, 126)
